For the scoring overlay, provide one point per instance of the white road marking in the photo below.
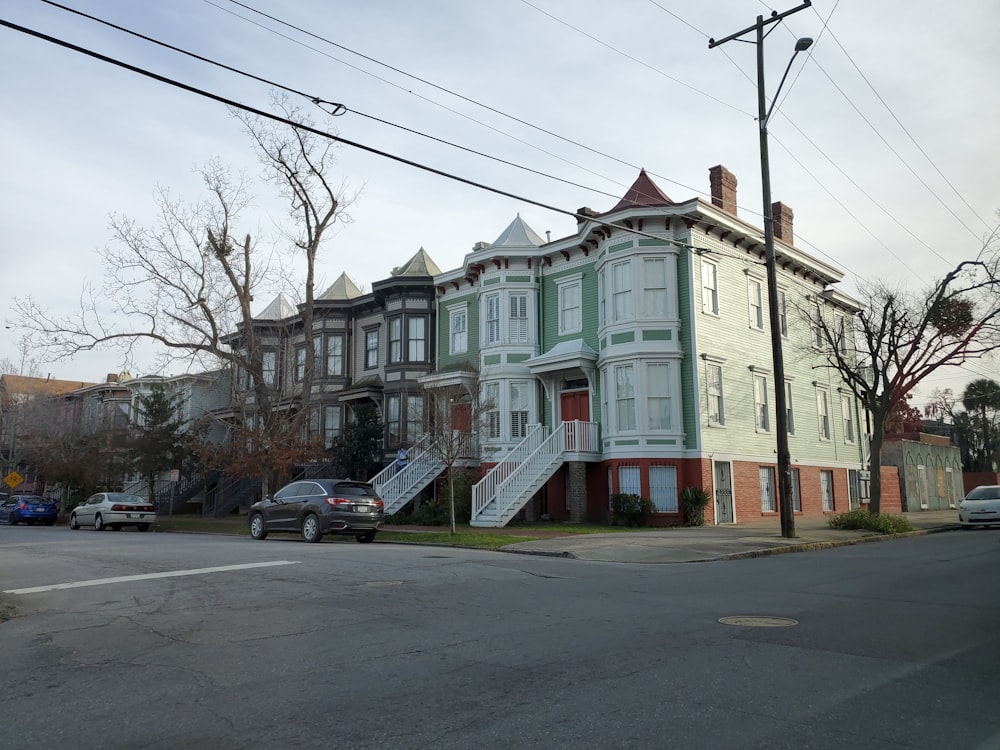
(146, 576)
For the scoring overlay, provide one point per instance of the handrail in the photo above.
(528, 466)
(485, 489)
(411, 453)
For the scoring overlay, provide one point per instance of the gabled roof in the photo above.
(518, 234)
(343, 288)
(280, 309)
(419, 265)
(643, 192)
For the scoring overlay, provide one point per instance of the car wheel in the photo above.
(12, 519)
(143, 527)
(310, 528)
(368, 536)
(73, 523)
(258, 529)
(99, 523)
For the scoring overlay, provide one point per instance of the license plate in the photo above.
(132, 515)
(362, 509)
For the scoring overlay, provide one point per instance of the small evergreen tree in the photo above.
(157, 435)
(358, 448)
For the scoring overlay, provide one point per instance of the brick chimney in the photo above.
(723, 184)
(782, 216)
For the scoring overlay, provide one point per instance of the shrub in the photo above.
(860, 518)
(694, 501)
(630, 510)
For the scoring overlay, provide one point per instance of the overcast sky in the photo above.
(883, 143)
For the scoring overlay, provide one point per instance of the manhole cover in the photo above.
(750, 621)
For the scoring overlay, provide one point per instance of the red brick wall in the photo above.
(891, 496)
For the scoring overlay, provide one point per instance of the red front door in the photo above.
(575, 405)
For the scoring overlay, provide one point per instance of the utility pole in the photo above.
(786, 511)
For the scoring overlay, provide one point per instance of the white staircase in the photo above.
(397, 488)
(509, 485)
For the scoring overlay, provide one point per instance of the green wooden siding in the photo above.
(623, 338)
(690, 406)
(446, 360)
(657, 335)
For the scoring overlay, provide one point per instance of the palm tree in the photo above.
(981, 400)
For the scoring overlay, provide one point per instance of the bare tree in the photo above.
(899, 339)
(454, 418)
(187, 284)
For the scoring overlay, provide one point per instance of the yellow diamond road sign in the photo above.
(13, 479)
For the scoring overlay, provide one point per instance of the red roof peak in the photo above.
(643, 192)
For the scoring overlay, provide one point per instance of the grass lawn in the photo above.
(465, 537)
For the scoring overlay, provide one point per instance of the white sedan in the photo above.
(113, 510)
(981, 507)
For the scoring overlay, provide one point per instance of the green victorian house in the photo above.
(633, 356)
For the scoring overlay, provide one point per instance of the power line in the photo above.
(322, 133)
(339, 109)
(445, 90)
(905, 130)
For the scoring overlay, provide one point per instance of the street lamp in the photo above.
(784, 459)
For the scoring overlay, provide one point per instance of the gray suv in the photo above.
(314, 507)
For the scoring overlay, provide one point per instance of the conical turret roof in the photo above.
(419, 265)
(518, 234)
(643, 192)
(343, 288)
(279, 309)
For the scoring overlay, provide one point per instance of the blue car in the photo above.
(29, 509)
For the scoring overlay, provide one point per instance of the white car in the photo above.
(113, 510)
(981, 507)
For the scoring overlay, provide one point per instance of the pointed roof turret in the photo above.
(643, 192)
(279, 309)
(343, 288)
(518, 234)
(419, 265)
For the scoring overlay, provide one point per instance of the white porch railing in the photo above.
(484, 491)
(514, 481)
(397, 488)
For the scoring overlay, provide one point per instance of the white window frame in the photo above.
(768, 490)
(796, 491)
(816, 326)
(396, 340)
(491, 321)
(622, 309)
(625, 397)
(520, 408)
(629, 480)
(755, 303)
(518, 331)
(783, 313)
(458, 329)
(826, 491)
(847, 414)
(716, 394)
(761, 403)
(416, 338)
(663, 488)
(269, 366)
(789, 410)
(654, 289)
(709, 287)
(840, 332)
(658, 379)
(823, 414)
(570, 295)
(491, 396)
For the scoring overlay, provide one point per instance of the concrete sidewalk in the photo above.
(698, 544)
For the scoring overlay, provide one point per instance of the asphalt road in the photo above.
(342, 645)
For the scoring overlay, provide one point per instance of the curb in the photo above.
(749, 554)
